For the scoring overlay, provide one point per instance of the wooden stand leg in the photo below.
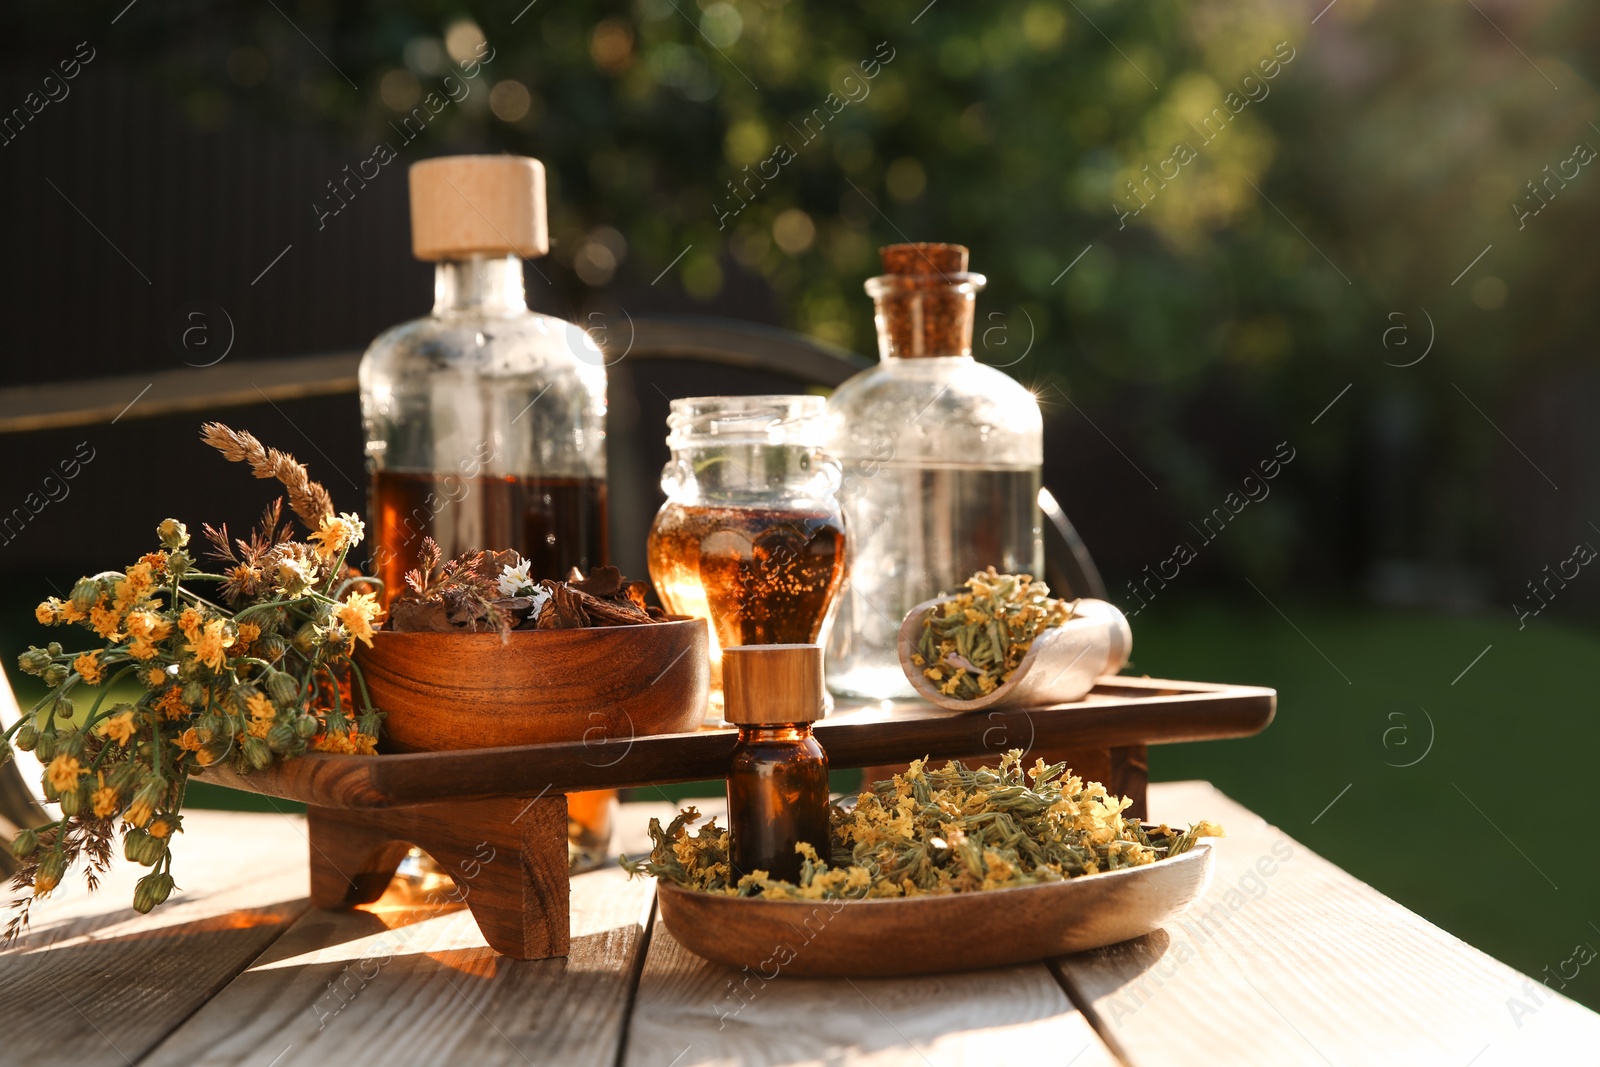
(508, 858)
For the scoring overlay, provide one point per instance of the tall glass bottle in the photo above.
(940, 458)
(485, 421)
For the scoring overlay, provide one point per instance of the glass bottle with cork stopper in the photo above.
(778, 780)
(485, 421)
(940, 458)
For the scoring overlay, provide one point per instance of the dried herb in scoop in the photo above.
(971, 644)
(927, 831)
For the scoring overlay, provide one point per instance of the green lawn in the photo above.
(1515, 736)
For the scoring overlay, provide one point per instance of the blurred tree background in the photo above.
(1373, 244)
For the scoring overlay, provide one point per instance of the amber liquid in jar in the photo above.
(762, 576)
(777, 797)
(557, 523)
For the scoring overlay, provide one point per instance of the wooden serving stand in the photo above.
(502, 812)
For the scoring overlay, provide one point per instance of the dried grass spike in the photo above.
(308, 499)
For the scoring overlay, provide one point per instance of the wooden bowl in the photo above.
(926, 935)
(1060, 666)
(598, 684)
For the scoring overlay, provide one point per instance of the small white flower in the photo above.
(514, 581)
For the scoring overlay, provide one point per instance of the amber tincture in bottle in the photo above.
(778, 782)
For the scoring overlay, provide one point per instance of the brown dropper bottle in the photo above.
(778, 780)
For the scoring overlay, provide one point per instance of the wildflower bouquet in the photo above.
(256, 670)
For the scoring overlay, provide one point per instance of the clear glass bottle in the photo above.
(940, 460)
(778, 777)
(751, 535)
(485, 421)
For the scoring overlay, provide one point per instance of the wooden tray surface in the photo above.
(1119, 711)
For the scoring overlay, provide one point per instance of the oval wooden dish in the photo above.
(926, 935)
(600, 684)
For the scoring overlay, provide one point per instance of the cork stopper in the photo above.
(478, 205)
(768, 685)
(923, 257)
(925, 302)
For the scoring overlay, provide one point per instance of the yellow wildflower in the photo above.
(139, 811)
(135, 587)
(120, 728)
(190, 622)
(89, 668)
(248, 633)
(48, 612)
(260, 707)
(357, 613)
(70, 613)
(64, 772)
(106, 801)
(142, 648)
(337, 534)
(171, 705)
(106, 620)
(210, 647)
(155, 677)
(146, 623)
(259, 728)
(161, 826)
(190, 740)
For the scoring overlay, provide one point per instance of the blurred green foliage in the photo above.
(1386, 150)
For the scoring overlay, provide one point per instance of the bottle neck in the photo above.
(788, 731)
(484, 285)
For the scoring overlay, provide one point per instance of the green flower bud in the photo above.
(133, 845)
(174, 534)
(65, 708)
(53, 648)
(151, 890)
(48, 876)
(33, 661)
(126, 777)
(70, 743)
(85, 594)
(307, 726)
(27, 737)
(271, 647)
(71, 802)
(25, 844)
(306, 638)
(194, 694)
(283, 689)
(54, 674)
(178, 563)
(45, 746)
(256, 752)
(281, 738)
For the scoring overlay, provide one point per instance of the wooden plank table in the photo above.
(1286, 960)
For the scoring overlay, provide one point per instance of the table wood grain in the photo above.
(1287, 960)
(117, 982)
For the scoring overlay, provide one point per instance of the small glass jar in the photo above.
(751, 536)
(778, 778)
